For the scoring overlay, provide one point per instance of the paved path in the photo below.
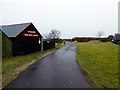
(57, 70)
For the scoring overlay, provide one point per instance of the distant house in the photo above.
(25, 38)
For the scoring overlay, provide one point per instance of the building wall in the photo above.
(6, 46)
(26, 44)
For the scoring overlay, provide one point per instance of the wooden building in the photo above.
(25, 38)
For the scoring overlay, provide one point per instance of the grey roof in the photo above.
(14, 30)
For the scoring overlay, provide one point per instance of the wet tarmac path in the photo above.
(56, 70)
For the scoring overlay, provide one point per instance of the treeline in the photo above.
(82, 39)
(87, 39)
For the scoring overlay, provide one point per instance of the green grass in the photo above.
(13, 66)
(119, 66)
(100, 62)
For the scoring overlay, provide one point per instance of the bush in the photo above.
(104, 39)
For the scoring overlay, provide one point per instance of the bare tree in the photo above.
(46, 36)
(54, 34)
(100, 33)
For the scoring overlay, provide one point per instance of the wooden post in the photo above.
(41, 43)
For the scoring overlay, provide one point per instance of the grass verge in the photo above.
(100, 62)
(13, 66)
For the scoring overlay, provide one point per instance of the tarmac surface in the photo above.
(56, 70)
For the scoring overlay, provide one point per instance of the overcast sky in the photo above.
(72, 17)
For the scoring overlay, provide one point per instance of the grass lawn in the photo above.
(13, 66)
(100, 62)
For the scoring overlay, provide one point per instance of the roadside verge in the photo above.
(12, 67)
(99, 61)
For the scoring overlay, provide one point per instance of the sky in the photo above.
(73, 18)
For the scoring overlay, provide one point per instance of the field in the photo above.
(99, 61)
(13, 66)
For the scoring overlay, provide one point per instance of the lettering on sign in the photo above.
(31, 31)
(30, 35)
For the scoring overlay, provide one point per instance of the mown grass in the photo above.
(100, 62)
(119, 66)
(13, 66)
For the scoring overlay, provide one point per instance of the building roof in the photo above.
(15, 29)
